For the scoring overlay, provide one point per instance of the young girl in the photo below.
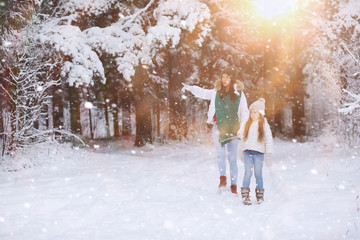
(257, 138)
(228, 108)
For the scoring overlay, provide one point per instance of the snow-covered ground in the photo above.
(170, 192)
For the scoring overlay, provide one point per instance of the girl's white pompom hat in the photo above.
(259, 105)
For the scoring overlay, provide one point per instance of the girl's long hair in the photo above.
(223, 93)
(261, 132)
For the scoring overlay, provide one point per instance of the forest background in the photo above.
(106, 69)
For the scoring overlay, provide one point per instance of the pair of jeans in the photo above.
(253, 160)
(231, 149)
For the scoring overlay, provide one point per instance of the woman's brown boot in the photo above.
(233, 189)
(222, 181)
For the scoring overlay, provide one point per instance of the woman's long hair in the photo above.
(231, 91)
(261, 132)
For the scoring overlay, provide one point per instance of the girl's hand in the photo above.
(268, 159)
(186, 87)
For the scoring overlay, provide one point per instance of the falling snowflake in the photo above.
(88, 105)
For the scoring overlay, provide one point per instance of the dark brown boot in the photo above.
(259, 195)
(233, 189)
(245, 194)
(222, 181)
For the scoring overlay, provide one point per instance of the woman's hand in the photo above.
(186, 87)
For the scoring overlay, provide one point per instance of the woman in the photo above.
(228, 109)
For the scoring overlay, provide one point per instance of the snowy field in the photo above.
(170, 192)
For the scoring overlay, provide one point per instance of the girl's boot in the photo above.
(245, 192)
(222, 181)
(259, 195)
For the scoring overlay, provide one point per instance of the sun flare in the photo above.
(270, 9)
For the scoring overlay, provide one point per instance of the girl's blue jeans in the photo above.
(231, 149)
(253, 160)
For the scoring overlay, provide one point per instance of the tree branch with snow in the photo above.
(350, 107)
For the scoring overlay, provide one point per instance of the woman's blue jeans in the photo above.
(253, 160)
(231, 149)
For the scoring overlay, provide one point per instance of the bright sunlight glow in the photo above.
(270, 9)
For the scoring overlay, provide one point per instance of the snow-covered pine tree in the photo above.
(78, 32)
(337, 47)
(27, 78)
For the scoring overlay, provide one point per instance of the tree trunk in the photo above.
(9, 129)
(1, 116)
(143, 105)
(8, 143)
(277, 123)
(298, 109)
(116, 123)
(143, 123)
(126, 118)
(298, 106)
(177, 123)
(158, 120)
(74, 98)
(58, 108)
(107, 124)
(50, 115)
(91, 125)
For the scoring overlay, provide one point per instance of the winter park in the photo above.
(180, 119)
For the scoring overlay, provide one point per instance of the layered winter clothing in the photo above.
(226, 115)
(254, 150)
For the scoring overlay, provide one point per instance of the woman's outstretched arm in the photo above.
(199, 92)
